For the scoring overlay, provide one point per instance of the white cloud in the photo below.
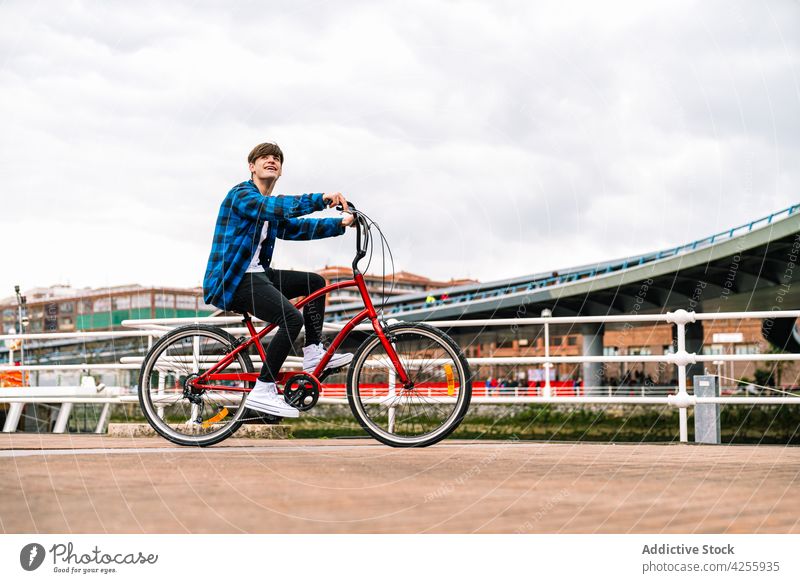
(488, 139)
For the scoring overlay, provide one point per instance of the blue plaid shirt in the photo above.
(238, 230)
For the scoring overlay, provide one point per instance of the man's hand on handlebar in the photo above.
(334, 198)
(337, 200)
(349, 220)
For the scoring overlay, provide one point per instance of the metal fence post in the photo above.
(681, 358)
(101, 422)
(683, 419)
(12, 417)
(392, 394)
(547, 365)
(162, 384)
(63, 418)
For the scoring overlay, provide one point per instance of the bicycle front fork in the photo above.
(388, 346)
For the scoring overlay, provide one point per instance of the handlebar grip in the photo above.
(350, 206)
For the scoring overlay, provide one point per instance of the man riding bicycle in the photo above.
(239, 277)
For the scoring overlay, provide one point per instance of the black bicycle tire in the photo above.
(356, 367)
(232, 427)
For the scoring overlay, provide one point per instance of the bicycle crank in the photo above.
(301, 391)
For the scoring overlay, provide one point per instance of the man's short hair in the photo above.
(265, 149)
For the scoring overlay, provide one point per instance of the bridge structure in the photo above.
(750, 267)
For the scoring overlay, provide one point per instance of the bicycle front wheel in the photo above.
(179, 413)
(427, 410)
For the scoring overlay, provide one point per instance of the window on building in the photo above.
(186, 302)
(610, 350)
(572, 340)
(668, 349)
(140, 301)
(746, 349)
(639, 350)
(714, 349)
(102, 305)
(67, 308)
(165, 301)
(556, 340)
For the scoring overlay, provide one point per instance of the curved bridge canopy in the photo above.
(749, 267)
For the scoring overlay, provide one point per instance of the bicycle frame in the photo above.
(203, 380)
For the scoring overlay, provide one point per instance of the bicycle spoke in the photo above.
(432, 404)
(183, 413)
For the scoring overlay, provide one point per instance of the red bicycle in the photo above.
(408, 384)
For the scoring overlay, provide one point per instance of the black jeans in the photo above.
(266, 296)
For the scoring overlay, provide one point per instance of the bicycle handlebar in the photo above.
(362, 232)
(350, 207)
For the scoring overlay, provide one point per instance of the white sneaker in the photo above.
(312, 354)
(265, 398)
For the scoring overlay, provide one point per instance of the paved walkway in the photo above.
(85, 483)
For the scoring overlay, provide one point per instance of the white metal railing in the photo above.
(65, 396)
(681, 359)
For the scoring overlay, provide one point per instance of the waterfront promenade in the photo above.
(86, 483)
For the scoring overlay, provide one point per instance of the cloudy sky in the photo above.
(489, 139)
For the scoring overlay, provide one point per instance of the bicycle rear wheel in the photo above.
(431, 407)
(179, 413)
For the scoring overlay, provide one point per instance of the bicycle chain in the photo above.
(261, 418)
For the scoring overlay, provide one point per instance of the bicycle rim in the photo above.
(213, 415)
(415, 416)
